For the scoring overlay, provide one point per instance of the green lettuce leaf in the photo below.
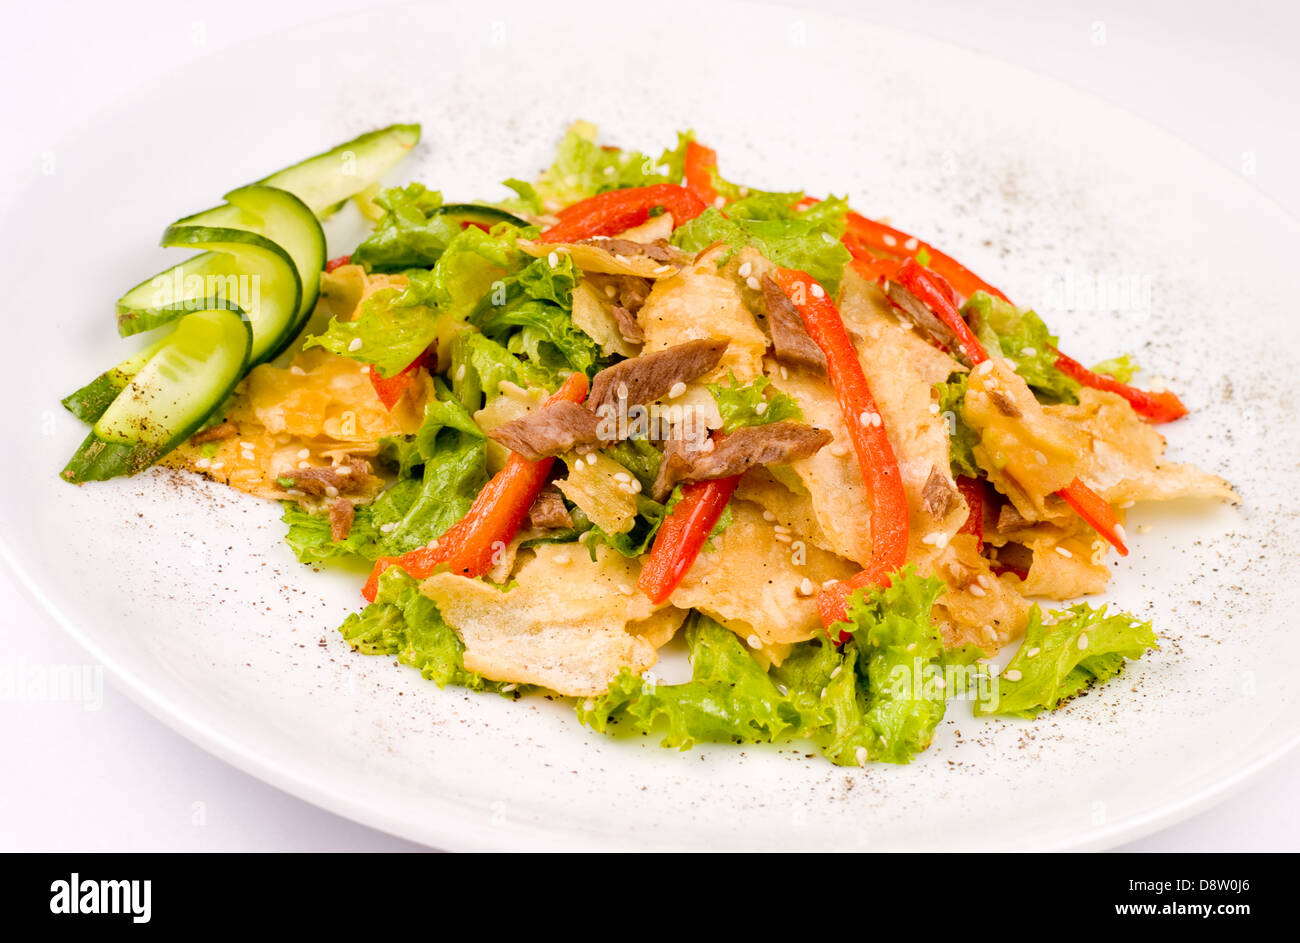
(404, 623)
(479, 365)
(799, 239)
(1065, 654)
(962, 439)
(1123, 368)
(583, 168)
(395, 326)
(746, 405)
(409, 235)
(1020, 336)
(531, 312)
(876, 698)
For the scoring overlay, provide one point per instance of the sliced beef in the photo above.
(778, 443)
(939, 497)
(341, 515)
(628, 327)
(790, 341)
(657, 251)
(224, 430)
(1009, 519)
(1005, 404)
(338, 479)
(911, 307)
(649, 377)
(625, 291)
(549, 430)
(548, 511)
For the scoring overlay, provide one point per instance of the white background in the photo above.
(1223, 77)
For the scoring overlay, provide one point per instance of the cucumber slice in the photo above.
(285, 220)
(190, 375)
(473, 212)
(89, 402)
(241, 267)
(326, 181)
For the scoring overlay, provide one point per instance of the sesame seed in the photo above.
(888, 240)
(781, 529)
(553, 259)
(331, 491)
(203, 463)
(388, 528)
(304, 464)
(509, 687)
(836, 673)
(984, 580)
(806, 588)
(1083, 642)
(977, 590)
(247, 456)
(1028, 351)
(752, 282)
(625, 589)
(610, 291)
(783, 689)
(911, 244)
(562, 559)
(818, 291)
(769, 516)
(588, 705)
(760, 409)
(984, 368)
(839, 450)
(783, 538)
(754, 642)
(365, 368)
(354, 344)
(861, 755)
(1012, 675)
(828, 239)
(623, 477)
(636, 486)
(1032, 652)
(719, 201)
(1040, 458)
(744, 270)
(1063, 551)
(297, 371)
(676, 390)
(460, 372)
(785, 374)
(304, 453)
(937, 539)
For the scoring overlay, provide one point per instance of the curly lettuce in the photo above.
(878, 697)
(747, 405)
(583, 168)
(1019, 335)
(1063, 655)
(807, 239)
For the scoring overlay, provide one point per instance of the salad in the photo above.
(633, 402)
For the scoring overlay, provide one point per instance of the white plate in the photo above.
(188, 595)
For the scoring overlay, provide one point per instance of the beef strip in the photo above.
(628, 327)
(353, 477)
(1005, 404)
(625, 291)
(649, 377)
(548, 511)
(657, 251)
(938, 497)
(778, 443)
(224, 430)
(1009, 519)
(549, 430)
(341, 514)
(790, 341)
(912, 308)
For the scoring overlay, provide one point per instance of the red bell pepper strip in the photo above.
(682, 535)
(342, 260)
(972, 489)
(699, 164)
(610, 213)
(469, 545)
(874, 246)
(866, 235)
(875, 454)
(933, 291)
(1094, 509)
(390, 389)
(1161, 406)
